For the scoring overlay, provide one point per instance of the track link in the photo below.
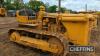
(58, 36)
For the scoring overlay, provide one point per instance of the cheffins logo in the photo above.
(81, 48)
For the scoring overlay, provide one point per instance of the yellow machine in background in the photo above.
(29, 17)
(53, 32)
(26, 17)
(2, 12)
(2, 9)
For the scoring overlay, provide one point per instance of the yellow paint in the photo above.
(24, 19)
(78, 28)
(36, 43)
(2, 11)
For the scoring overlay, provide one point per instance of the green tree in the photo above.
(26, 5)
(63, 9)
(13, 5)
(8, 5)
(18, 5)
(34, 5)
(1, 3)
(52, 9)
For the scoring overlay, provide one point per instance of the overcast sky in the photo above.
(76, 5)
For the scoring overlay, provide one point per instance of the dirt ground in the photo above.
(8, 48)
(95, 39)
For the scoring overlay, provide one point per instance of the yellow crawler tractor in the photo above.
(52, 32)
(2, 12)
(2, 9)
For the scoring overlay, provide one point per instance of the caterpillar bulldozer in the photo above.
(2, 9)
(52, 32)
